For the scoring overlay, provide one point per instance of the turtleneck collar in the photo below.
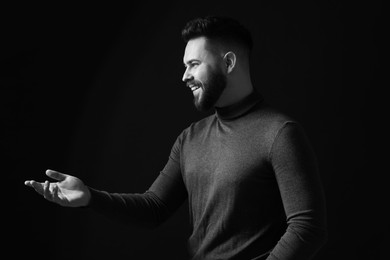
(240, 108)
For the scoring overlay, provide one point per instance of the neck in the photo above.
(240, 108)
(235, 92)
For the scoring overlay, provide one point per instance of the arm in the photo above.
(151, 208)
(303, 199)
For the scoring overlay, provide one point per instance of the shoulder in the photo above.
(269, 124)
(271, 120)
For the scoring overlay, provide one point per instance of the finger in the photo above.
(56, 175)
(46, 190)
(28, 183)
(38, 187)
(56, 199)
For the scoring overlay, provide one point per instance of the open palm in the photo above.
(68, 191)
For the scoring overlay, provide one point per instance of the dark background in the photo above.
(96, 91)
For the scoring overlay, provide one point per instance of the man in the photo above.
(248, 171)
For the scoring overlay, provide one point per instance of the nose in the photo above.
(186, 76)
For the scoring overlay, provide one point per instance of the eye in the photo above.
(191, 64)
(194, 64)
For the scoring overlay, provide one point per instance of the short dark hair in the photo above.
(221, 28)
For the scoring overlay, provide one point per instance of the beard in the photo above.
(210, 91)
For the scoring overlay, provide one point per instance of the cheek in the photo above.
(203, 73)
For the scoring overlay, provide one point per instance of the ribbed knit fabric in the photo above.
(252, 183)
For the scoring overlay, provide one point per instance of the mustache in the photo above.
(194, 83)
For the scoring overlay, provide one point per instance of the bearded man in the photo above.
(248, 171)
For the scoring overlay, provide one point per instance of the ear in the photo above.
(230, 61)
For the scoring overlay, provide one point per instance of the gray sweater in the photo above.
(252, 183)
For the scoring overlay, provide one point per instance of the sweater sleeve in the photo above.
(151, 208)
(301, 191)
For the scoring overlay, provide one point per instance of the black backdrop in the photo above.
(96, 91)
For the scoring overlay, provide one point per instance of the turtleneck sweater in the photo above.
(252, 184)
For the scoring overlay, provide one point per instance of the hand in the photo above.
(69, 191)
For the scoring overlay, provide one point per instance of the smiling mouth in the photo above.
(193, 88)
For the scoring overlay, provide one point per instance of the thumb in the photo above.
(56, 175)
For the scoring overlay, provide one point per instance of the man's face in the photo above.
(203, 73)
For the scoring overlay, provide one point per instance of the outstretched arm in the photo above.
(151, 208)
(68, 191)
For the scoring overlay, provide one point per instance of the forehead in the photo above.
(197, 48)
